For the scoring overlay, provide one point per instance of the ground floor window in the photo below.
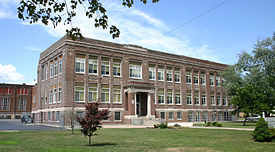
(117, 116)
(5, 105)
(198, 116)
(49, 116)
(204, 116)
(79, 92)
(161, 96)
(57, 116)
(225, 116)
(162, 115)
(179, 116)
(214, 116)
(220, 116)
(190, 116)
(171, 115)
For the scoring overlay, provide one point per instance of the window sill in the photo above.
(117, 120)
(93, 74)
(117, 103)
(79, 101)
(178, 104)
(79, 72)
(177, 82)
(189, 104)
(161, 104)
(204, 105)
(179, 119)
(135, 78)
(105, 75)
(197, 104)
(117, 76)
(213, 105)
(152, 79)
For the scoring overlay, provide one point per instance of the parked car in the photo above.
(253, 118)
(26, 119)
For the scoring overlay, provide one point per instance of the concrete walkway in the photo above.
(245, 129)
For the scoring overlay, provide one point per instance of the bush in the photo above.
(261, 132)
(273, 133)
(218, 125)
(208, 124)
(163, 125)
(156, 126)
(177, 126)
(214, 123)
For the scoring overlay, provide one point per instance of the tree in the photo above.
(261, 132)
(92, 119)
(251, 80)
(55, 12)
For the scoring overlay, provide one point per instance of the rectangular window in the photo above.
(218, 81)
(59, 94)
(5, 105)
(79, 92)
(8, 90)
(220, 117)
(55, 67)
(43, 72)
(179, 116)
(169, 96)
(160, 74)
(197, 98)
(177, 75)
(57, 116)
(162, 115)
(204, 116)
(60, 65)
(51, 69)
(46, 71)
(211, 79)
(188, 77)
(1, 91)
(135, 70)
(203, 99)
(161, 96)
(152, 72)
(51, 96)
(196, 77)
(219, 100)
(22, 104)
(105, 93)
(54, 94)
(49, 116)
(202, 78)
(214, 116)
(198, 116)
(92, 65)
(105, 66)
(117, 67)
(223, 82)
(80, 64)
(171, 115)
(212, 99)
(189, 98)
(177, 97)
(190, 116)
(117, 94)
(117, 116)
(224, 101)
(169, 75)
(92, 92)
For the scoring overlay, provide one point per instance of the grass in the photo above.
(235, 124)
(153, 140)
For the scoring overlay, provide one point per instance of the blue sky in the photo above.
(219, 35)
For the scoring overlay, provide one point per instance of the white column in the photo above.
(148, 105)
(135, 104)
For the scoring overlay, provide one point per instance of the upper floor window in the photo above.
(219, 100)
(79, 93)
(51, 96)
(177, 75)
(8, 90)
(161, 96)
(189, 98)
(160, 74)
(211, 79)
(135, 70)
(224, 101)
(196, 98)
(117, 94)
(196, 77)
(92, 97)
(223, 82)
(152, 72)
(105, 93)
(60, 65)
(218, 81)
(22, 91)
(5, 104)
(54, 94)
(51, 69)
(202, 78)
(203, 99)
(92, 65)
(117, 67)
(169, 75)
(55, 67)
(212, 99)
(22, 104)
(59, 94)
(105, 66)
(188, 77)
(169, 96)
(177, 97)
(80, 64)
(43, 72)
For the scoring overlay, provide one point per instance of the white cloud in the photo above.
(137, 28)
(8, 8)
(33, 49)
(9, 74)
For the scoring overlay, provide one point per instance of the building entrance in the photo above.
(141, 104)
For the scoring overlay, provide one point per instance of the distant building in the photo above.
(15, 100)
(135, 83)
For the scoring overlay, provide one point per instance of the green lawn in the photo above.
(235, 124)
(185, 139)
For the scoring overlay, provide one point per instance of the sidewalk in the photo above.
(245, 129)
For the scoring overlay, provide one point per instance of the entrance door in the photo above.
(141, 104)
(138, 104)
(41, 117)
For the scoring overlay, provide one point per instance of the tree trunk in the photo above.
(244, 123)
(90, 141)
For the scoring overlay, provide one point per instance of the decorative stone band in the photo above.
(186, 110)
(75, 109)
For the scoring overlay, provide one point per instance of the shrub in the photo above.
(177, 126)
(261, 132)
(156, 126)
(219, 125)
(214, 123)
(208, 124)
(273, 133)
(163, 125)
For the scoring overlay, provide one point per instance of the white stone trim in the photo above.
(209, 110)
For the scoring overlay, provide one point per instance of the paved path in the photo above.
(246, 129)
(17, 125)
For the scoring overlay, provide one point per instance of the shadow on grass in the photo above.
(103, 144)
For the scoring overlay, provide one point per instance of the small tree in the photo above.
(92, 119)
(261, 132)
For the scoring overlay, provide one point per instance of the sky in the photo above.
(214, 30)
